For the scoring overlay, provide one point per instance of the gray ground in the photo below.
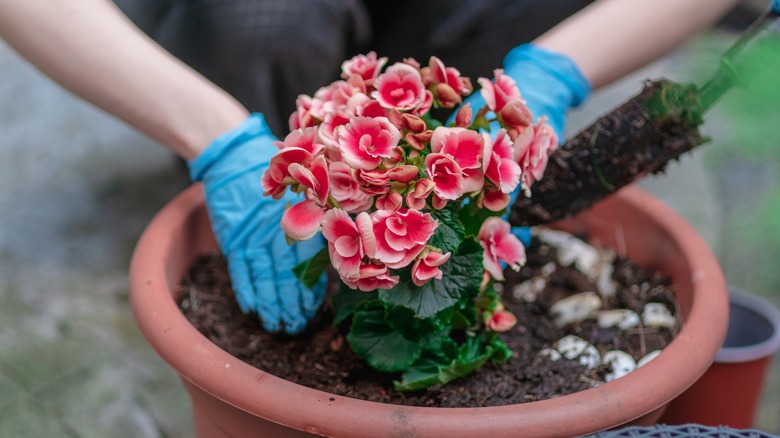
(79, 188)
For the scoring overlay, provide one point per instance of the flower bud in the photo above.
(463, 117)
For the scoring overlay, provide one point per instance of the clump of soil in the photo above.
(640, 137)
(321, 359)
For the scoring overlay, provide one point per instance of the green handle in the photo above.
(727, 74)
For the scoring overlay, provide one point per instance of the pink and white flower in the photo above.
(301, 117)
(314, 178)
(328, 132)
(532, 150)
(277, 177)
(345, 190)
(467, 148)
(371, 277)
(363, 106)
(401, 235)
(500, 91)
(426, 267)
(448, 83)
(500, 245)
(364, 141)
(334, 97)
(391, 201)
(366, 66)
(302, 220)
(516, 116)
(400, 87)
(416, 197)
(348, 241)
(450, 76)
(494, 199)
(446, 174)
(502, 168)
(305, 138)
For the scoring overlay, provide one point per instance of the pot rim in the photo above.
(257, 392)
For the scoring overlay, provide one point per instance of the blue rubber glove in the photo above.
(550, 83)
(246, 225)
(776, 5)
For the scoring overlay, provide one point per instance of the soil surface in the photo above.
(321, 359)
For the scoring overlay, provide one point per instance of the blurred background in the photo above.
(78, 188)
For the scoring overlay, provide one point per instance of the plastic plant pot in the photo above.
(233, 399)
(729, 392)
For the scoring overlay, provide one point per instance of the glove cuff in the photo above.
(253, 126)
(554, 64)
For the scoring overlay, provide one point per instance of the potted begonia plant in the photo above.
(411, 210)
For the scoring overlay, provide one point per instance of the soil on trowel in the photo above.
(320, 357)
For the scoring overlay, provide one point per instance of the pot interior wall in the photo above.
(196, 240)
(747, 327)
(632, 234)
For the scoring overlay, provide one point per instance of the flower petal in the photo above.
(302, 220)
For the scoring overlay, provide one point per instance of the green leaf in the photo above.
(450, 233)
(346, 301)
(466, 317)
(424, 373)
(488, 300)
(445, 364)
(501, 351)
(472, 217)
(309, 271)
(372, 338)
(403, 320)
(461, 276)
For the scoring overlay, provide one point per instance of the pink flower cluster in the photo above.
(372, 169)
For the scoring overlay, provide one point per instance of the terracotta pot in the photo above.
(729, 392)
(232, 398)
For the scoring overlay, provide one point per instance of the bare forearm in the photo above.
(611, 38)
(89, 47)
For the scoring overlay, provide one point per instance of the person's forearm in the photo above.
(611, 38)
(89, 47)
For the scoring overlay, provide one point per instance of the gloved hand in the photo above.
(246, 225)
(550, 83)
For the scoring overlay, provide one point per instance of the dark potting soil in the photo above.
(320, 358)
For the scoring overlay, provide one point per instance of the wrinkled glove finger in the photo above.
(253, 270)
(241, 282)
(289, 289)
